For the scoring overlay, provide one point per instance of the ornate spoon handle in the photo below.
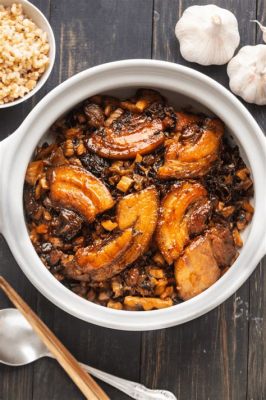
(132, 389)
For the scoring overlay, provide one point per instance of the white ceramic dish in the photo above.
(182, 86)
(40, 20)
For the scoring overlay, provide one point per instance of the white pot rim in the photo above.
(137, 73)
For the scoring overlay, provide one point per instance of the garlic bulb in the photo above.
(263, 29)
(247, 74)
(207, 34)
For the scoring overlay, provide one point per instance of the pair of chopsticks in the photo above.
(82, 379)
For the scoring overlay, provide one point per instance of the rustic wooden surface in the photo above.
(219, 356)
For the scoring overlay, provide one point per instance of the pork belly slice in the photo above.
(75, 188)
(193, 150)
(200, 264)
(129, 135)
(101, 261)
(184, 211)
(139, 210)
(136, 217)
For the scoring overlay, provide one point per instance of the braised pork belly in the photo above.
(128, 135)
(75, 188)
(202, 261)
(191, 152)
(177, 218)
(135, 205)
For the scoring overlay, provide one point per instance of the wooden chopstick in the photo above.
(82, 379)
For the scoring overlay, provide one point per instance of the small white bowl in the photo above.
(40, 20)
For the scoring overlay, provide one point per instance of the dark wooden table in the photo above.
(219, 356)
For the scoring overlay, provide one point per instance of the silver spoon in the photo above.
(20, 345)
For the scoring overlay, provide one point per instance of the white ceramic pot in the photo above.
(182, 86)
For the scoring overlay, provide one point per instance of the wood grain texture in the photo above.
(257, 332)
(92, 32)
(256, 389)
(219, 356)
(17, 383)
(206, 358)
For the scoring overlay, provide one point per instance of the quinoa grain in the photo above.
(24, 52)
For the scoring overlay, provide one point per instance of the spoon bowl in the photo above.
(19, 344)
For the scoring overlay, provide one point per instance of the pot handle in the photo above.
(4, 145)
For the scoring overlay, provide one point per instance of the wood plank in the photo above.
(257, 317)
(17, 383)
(203, 359)
(98, 32)
(112, 351)
(206, 358)
(87, 35)
(257, 336)
(261, 17)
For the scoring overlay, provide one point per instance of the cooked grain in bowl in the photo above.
(24, 50)
(135, 205)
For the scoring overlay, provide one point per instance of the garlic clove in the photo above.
(247, 74)
(262, 28)
(207, 34)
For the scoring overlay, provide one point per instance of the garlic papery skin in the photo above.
(262, 28)
(207, 34)
(247, 74)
